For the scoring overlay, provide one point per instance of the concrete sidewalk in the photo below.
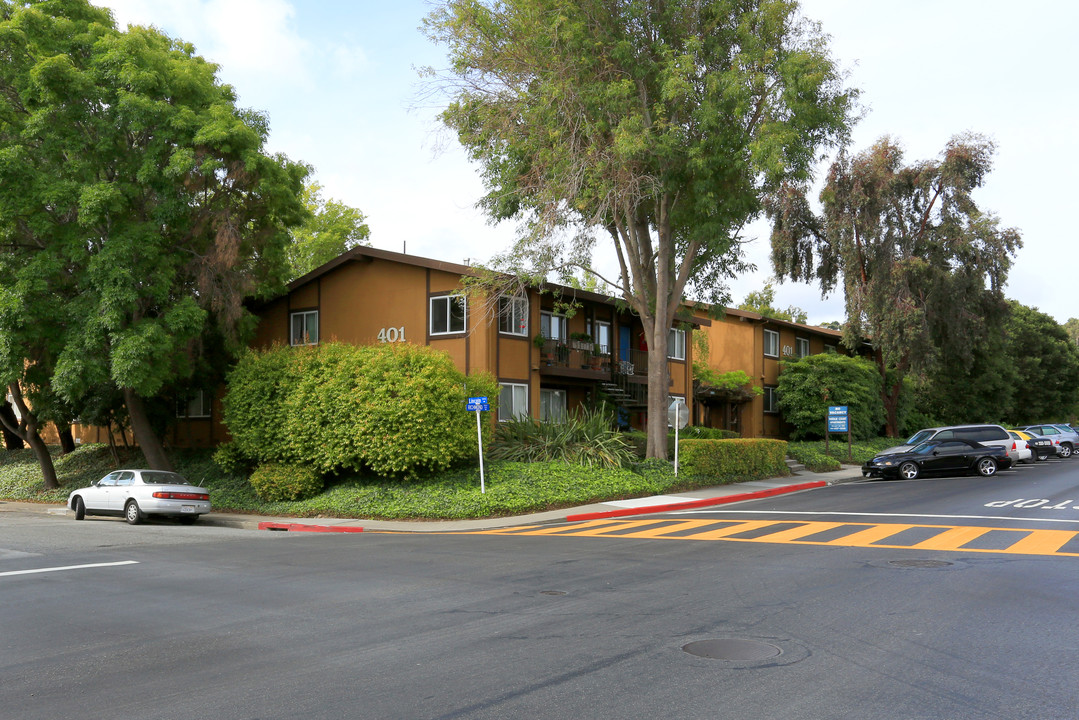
(721, 494)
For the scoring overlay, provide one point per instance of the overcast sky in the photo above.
(338, 80)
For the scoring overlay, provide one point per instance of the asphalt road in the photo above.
(204, 622)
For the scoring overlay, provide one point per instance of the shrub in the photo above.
(230, 459)
(585, 438)
(733, 459)
(807, 387)
(396, 409)
(814, 459)
(275, 482)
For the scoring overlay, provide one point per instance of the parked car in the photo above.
(1042, 448)
(984, 434)
(134, 494)
(1021, 451)
(939, 456)
(1066, 439)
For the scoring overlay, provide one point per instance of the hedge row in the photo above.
(393, 409)
(734, 459)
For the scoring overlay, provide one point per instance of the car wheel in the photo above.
(1065, 450)
(132, 513)
(80, 508)
(908, 471)
(188, 519)
(987, 467)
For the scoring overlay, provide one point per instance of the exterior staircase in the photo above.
(794, 466)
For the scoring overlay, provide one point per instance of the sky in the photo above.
(339, 82)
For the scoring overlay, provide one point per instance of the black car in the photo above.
(939, 457)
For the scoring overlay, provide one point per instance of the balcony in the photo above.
(575, 358)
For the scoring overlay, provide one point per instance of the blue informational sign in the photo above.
(838, 420)
(477, 406)
(477, 401)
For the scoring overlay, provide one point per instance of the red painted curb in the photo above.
(697, 503)
(296, 527)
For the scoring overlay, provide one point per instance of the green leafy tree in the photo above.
(760, 301)
(331, 228)
(656, 126)
(1046, 366)
(138, 207)
(1072, 328)
(807, 387)
(918, 260)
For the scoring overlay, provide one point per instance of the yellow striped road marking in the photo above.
(949, 538)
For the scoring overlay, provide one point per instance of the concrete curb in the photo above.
(690, 504)
(299, 527)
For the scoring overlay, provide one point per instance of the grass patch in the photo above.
(513, 488)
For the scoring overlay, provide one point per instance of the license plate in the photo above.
(187, 508)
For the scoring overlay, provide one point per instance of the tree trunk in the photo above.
(11, 440)
(145, 437)
(658, 395)
(67, 440)
(889, 396)
(27, 431)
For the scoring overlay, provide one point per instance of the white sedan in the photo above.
(1019, 452)
(134, 494)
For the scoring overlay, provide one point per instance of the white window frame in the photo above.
(202, 403)
(774, 344)
(448, 300)
(554, 327)
(513, 315)
(799, 344)
(560, 411)
(771, 406)
(676, 344)
(603, 336)
(518, 395)
(304, 336)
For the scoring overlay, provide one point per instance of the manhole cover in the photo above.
(733, 649)
(919, 563)
(552, 592)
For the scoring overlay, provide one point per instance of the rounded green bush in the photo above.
(275, 482)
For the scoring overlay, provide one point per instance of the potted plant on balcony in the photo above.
(597, 358)
(541, 342)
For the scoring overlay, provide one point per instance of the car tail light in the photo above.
(166, 495)
(1013, 445)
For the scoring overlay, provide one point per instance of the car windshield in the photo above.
(160, 477)
(920, 436)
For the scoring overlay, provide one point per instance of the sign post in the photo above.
(479, 404)
(838, 422)
(678, 417)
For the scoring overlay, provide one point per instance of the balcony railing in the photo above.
(576, 354)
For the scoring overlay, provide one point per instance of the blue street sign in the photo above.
(838, 420)
(477, 406)
(477, 401)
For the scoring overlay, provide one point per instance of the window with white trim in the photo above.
(447, 314)
(801, 347)
(676, 344)
(770, 404)
(199, 405)
(603, 336)
(513, 315)
(303, 327)
(554, 327)
(552, 406)
(771, 343)
(512, 401)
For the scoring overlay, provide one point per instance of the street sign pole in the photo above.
(479, 404)
(479, 440)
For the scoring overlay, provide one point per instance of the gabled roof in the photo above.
(362, 253)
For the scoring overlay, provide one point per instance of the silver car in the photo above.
(1064, 438)
(134, 494)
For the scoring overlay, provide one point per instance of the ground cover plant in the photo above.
(812, 454)
(511, 487)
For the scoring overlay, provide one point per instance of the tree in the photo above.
(760, 301)
(1046, 366)
(807, 387)
(135, 198)
(654, 125)
(330, 230)
(917, 258)
(1072, 328)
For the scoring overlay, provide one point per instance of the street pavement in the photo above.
(721, 494)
